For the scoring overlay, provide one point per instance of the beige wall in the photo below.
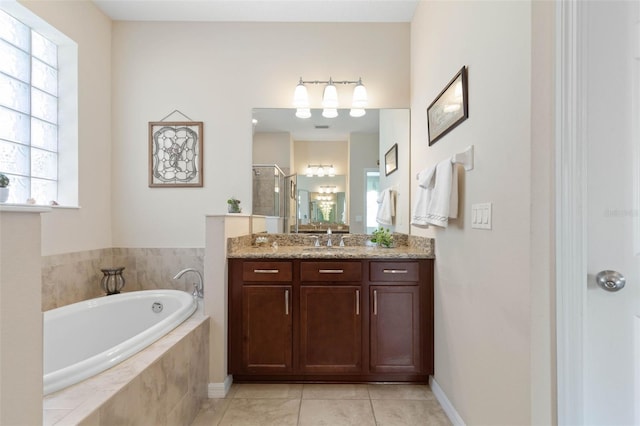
(394, 130)
(542, 226)
(216, 73)
(20, 319)
(272, 148)
(482, 278)
(363, 154)
(87, 228)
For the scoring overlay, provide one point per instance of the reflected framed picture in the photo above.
(175, 154)
(391, 160)
(450, 108)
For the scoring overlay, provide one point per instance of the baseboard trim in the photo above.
(219, 390)
(447, 406)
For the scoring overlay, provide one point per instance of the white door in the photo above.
(611, 324)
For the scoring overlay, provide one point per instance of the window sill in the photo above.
(24, 208)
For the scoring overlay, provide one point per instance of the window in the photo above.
(38, 123)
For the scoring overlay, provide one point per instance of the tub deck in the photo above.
(82, 402)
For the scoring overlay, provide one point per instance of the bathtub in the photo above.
(86, 338)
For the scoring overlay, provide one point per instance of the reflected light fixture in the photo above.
(320, 170)
(328, 189)
(330, 98)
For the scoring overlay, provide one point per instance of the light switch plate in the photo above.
(481, 216)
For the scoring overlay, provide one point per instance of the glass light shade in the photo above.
(301, 97)
(330, 97)
(331, 171)
(303, 113)
(360, 98)
(320, 171)
(357, 112)
(330, 113)
(309, 171)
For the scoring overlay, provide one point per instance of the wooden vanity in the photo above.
(362, 318)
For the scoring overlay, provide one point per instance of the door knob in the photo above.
(610, 280)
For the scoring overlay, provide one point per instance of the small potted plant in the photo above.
(382, 237)
(4, 190)
(233, 205)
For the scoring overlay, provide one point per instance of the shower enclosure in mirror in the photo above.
(268, 180)
(327, 165)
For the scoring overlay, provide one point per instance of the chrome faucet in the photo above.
(329, 243)
(198, 288)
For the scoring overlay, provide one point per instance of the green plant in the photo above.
(4, 181)
(234, 205)
(382, 237)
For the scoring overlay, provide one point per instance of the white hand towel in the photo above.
(386, 208)
(437, 195)
(453, 200)
(423, 195)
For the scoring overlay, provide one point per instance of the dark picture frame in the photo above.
(449, 108)
(175, 154)
(391, 160)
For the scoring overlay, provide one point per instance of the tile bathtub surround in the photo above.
(73, 277)
(154, 268)
(324, 404)
(164, 385)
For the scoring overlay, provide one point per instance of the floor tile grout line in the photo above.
(300, 404)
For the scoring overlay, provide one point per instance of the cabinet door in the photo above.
(395, 329)
(330, 329)
(266, 329)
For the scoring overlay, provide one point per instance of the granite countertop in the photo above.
(292, 246)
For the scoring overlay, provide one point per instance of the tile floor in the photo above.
(324, 404)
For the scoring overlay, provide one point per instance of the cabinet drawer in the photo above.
(394, 271)
(267, 271)
(330, 271)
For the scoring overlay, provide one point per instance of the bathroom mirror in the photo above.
(293, 194)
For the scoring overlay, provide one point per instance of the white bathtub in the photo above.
(86, 338)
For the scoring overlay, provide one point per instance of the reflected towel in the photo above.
(386, 207)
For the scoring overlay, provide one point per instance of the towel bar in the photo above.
(465, 158)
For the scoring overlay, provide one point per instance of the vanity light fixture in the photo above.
(320, 170)
(330, 98)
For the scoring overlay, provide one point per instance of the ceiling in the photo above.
(260, 10)
(275, 120)
(271, 120)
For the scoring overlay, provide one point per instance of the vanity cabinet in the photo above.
(395, 317)
(260, 307)
(330, 317)
(266, 329)
(337, 320)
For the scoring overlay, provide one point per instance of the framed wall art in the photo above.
(175, 154)
(450, 108)
(391, 160)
